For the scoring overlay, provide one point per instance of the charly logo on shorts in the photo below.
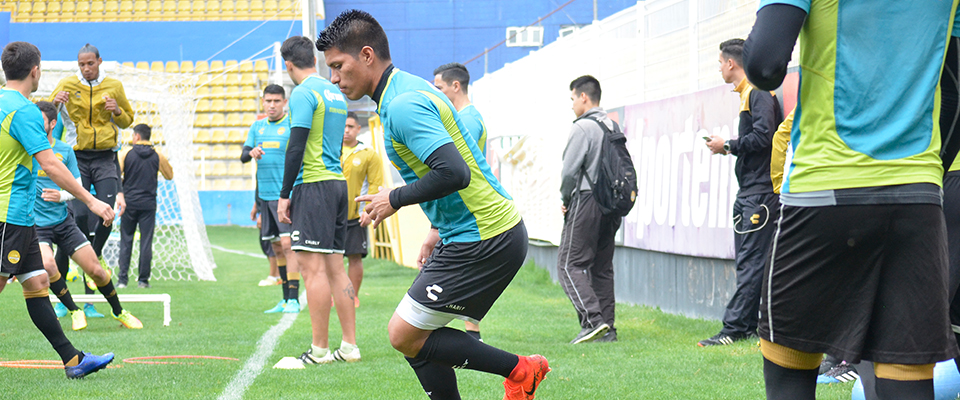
(13, 256)
(430, 292)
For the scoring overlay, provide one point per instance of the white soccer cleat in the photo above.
(289, 363)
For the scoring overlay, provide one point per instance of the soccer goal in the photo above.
(166, 102)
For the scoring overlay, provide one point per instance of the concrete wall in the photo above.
(689, 286)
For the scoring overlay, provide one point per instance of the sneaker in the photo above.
(90, 364)
(590, 334)
(79, 319)
(723, 339)
(72, 274)
(339, 356)
(292, 307)
(128, 320)
(536, 369)
(121, 286)
(270, 281)
(89, 281)
(308, 358)
(609, 337)
(840, 373)
(61, 310)
(278, 308)
(91, 312)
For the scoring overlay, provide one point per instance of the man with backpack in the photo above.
(757, 207)
(591, 216)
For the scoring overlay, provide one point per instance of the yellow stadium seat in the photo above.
(257, 9)
(226, 9)
(261, 66)
(183, 9)
(216, 119)
(216, 92)
(232, 78)
(110, 10)
(186, 67)
(242, 9)
(199, 10)
(232, 92)
(156, 66)
(201, 67)
(249, 169)
(215, 79)
(53, 11)
(38, 13)
(125, 12)
(68, 9)
(140, 10)
(218, 136)
(230, 66)
(235, 120)
(203, 136)
(236, 136)
(219, 184)
(169, 10)
(156, 136)
(246, 66)
(203, 105)
(96, 10)
(263, 78)
(219, 167)
(234, 168)
(249, 105)
(248, 119)
(172, 66)
(143, 65)
(24, 8)
(216, 105)
(247, 79)
(203, 92)
(216, 66)
(154, 10)
(128, 64)
(249, 92)
(233, 105)
(201, 121)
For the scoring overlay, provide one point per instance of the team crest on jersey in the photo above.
(41, 173)
(78, 94)
(356, 161)
(281, 130)
(260, 131)
(60, 157)
(13, 256)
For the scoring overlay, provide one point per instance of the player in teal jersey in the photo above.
(317, 207)
(453, 80)
(483, 237)
(859, 259)
(22, 138)
(267, 143)
(55, 226)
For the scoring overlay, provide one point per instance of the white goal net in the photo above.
(166, 102)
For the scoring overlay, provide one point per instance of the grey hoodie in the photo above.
(583, 149)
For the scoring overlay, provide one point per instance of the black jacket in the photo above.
(760, 115)
(140, 164)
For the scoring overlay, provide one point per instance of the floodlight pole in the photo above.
(311, 10)
(278, 65)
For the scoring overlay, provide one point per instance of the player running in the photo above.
(484, 241)
(22, 139)
(55, 226)
(267, 143)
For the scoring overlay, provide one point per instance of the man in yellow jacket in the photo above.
(94, 108)
(364, 172)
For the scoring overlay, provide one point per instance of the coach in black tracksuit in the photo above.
(757, 208)
(140, 164)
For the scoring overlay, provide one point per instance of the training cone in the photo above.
(288, 363)
(946, 382)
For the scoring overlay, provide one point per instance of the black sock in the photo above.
(283, 281)
(60, 290)
(293, 289)
(110, 293)
(789, 384)
(889, 389)
(474, 334)
(439, 381)
(454, 348)
(63, 261)
(41, 312)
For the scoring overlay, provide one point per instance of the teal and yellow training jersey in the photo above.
(272, 137)
(48, 213)
(319, 105)
(868, 104)
(21, 136)
(473, 121)
(417, 119)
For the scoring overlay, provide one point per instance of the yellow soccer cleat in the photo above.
(128, 320)
(90, 283)
(79, 319)
(72, 274)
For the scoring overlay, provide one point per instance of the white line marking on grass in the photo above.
(254, 365)
(242, 253)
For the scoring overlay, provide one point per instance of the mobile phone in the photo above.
(707, 138)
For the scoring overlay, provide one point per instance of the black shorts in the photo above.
(467, 278)
(65, 235)
(267, 247)
(356, 241)
(96, 166)
(319, 216)
(19, 249)
(860, 282)
(270, 226)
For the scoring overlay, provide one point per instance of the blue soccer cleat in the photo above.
(90, 364)
(91, 312)
(293, 307)
(61, 310)
(278, 308)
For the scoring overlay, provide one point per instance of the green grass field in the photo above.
(656, 357)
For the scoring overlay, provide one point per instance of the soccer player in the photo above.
(94, 109)
(858, 266)
(484, 241)
(266, 246)
(453, 80)
(318, 205)
(55, 226)
(22, 138)
(364, 173)
(267, 143)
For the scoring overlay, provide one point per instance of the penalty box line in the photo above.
(254, 365)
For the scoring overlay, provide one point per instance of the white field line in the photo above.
(242, 253)
(254, 365)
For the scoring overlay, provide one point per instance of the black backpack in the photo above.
(616, 188)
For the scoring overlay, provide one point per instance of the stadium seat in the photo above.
(203, 105)
(156, 66)
(154, 10)
(143, 65)
(230, 66)
(201, 121)
(128, 64)
(24, 7)
(199, 12)
(201, 67)
(234, 168)
(286, 10)
(232, 77)
(245, 66)
(111, 10)
(257, 9)
(248, 79)
(215, 79)
(140, 10)
(248, 119)
(218, 136)
(169, 10)
(216, 66)
(68, 10)
(226, 10)
(96, 10)
(242, 9)
(217, 92)
(125, 13)
(219, 184)
(53, 12)
(237, 184)
(216, 105)
(156, 136)
(186, 67)
(203, 135)
(219, 168)
(232, 91)
(261, 66)
(263, 78)
(183, 9)
(172, 67)
(203, 92)
(249, 169)
(236, 136)
(216, 119)
(248, 105)
(235, 120)
(233, 105)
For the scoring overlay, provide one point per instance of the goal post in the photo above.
(166, 102)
